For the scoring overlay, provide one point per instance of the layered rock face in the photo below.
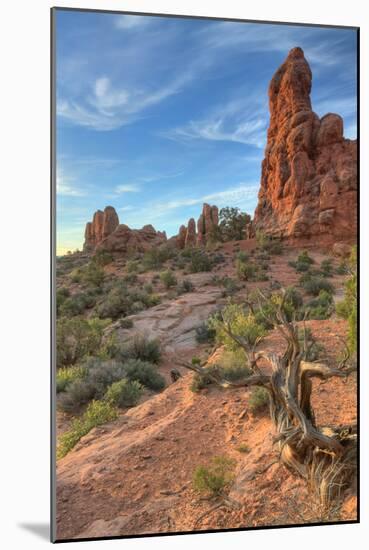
(105, 233)
(309, 176)
(187, 236)
(102, 225)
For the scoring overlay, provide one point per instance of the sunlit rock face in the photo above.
(309, 173)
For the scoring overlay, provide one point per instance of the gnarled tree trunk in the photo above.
(324, 457)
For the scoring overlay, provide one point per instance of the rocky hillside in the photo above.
(309, 180)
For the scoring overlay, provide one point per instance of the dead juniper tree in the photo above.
(324, 456)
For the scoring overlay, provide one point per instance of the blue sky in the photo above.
(157, 115)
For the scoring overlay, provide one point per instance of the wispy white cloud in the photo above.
(64, 185)
(108, 108)
(132, 21)
(234, 121)
(127, 188)
(127, 208)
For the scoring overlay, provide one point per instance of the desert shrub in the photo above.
(199, 261)
(230, 286)
(313, 285)
(233, 366)
(97, 413)
(168, 279)
(65, 376)
(126, 323)
(303, 262)
(77, 338)
(232, 224)
(148, 288)
(132, 266)
(61, 295)
(242, 256)
(76, 304)
(326, 268)
(140, 347)
(102, 257)
(342, 268)
(186, 286)
(155, 257)
(243, 448)
(246, 271)
(121, 301)
(99, 375)
(258, 400)
(144, 372)
(199, 382)
(268, 244)
(78, 393)
(241, 322)
(124, 393)
(347, 308)
(92, 275)
(292, 301)
(205, 333)
(130, 278)
(216, 477)
(321, 307)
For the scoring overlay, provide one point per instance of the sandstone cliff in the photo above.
(187, 236)
(106, 233)
(309, 180)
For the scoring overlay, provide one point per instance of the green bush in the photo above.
(313, 285)
(102, 257)
(99, 375)
(65, 376)
(97, 413)
(144, 372)
(61, 295)
(243, 448)
(205, 333)
(124, 393)
(347, 308)
(242, 324)
(92, 275)
(168, 279)
(126, 323)
(76, 304)
(233, 366)
(258, 399)
(130, 278)
(156, 257)
(199, 261)
(216, 477)
(246, 271)
(186, 286)
(122, 301)
(77, 338)
(326, 268)
(141, 347)
(321, 307)
(199, 382)
(268, 244)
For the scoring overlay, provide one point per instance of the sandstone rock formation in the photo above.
(187, 236)
(105, 233)
(309, 179)
(207, 220)
(191, 233)
(102, 225)
(181, 237)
